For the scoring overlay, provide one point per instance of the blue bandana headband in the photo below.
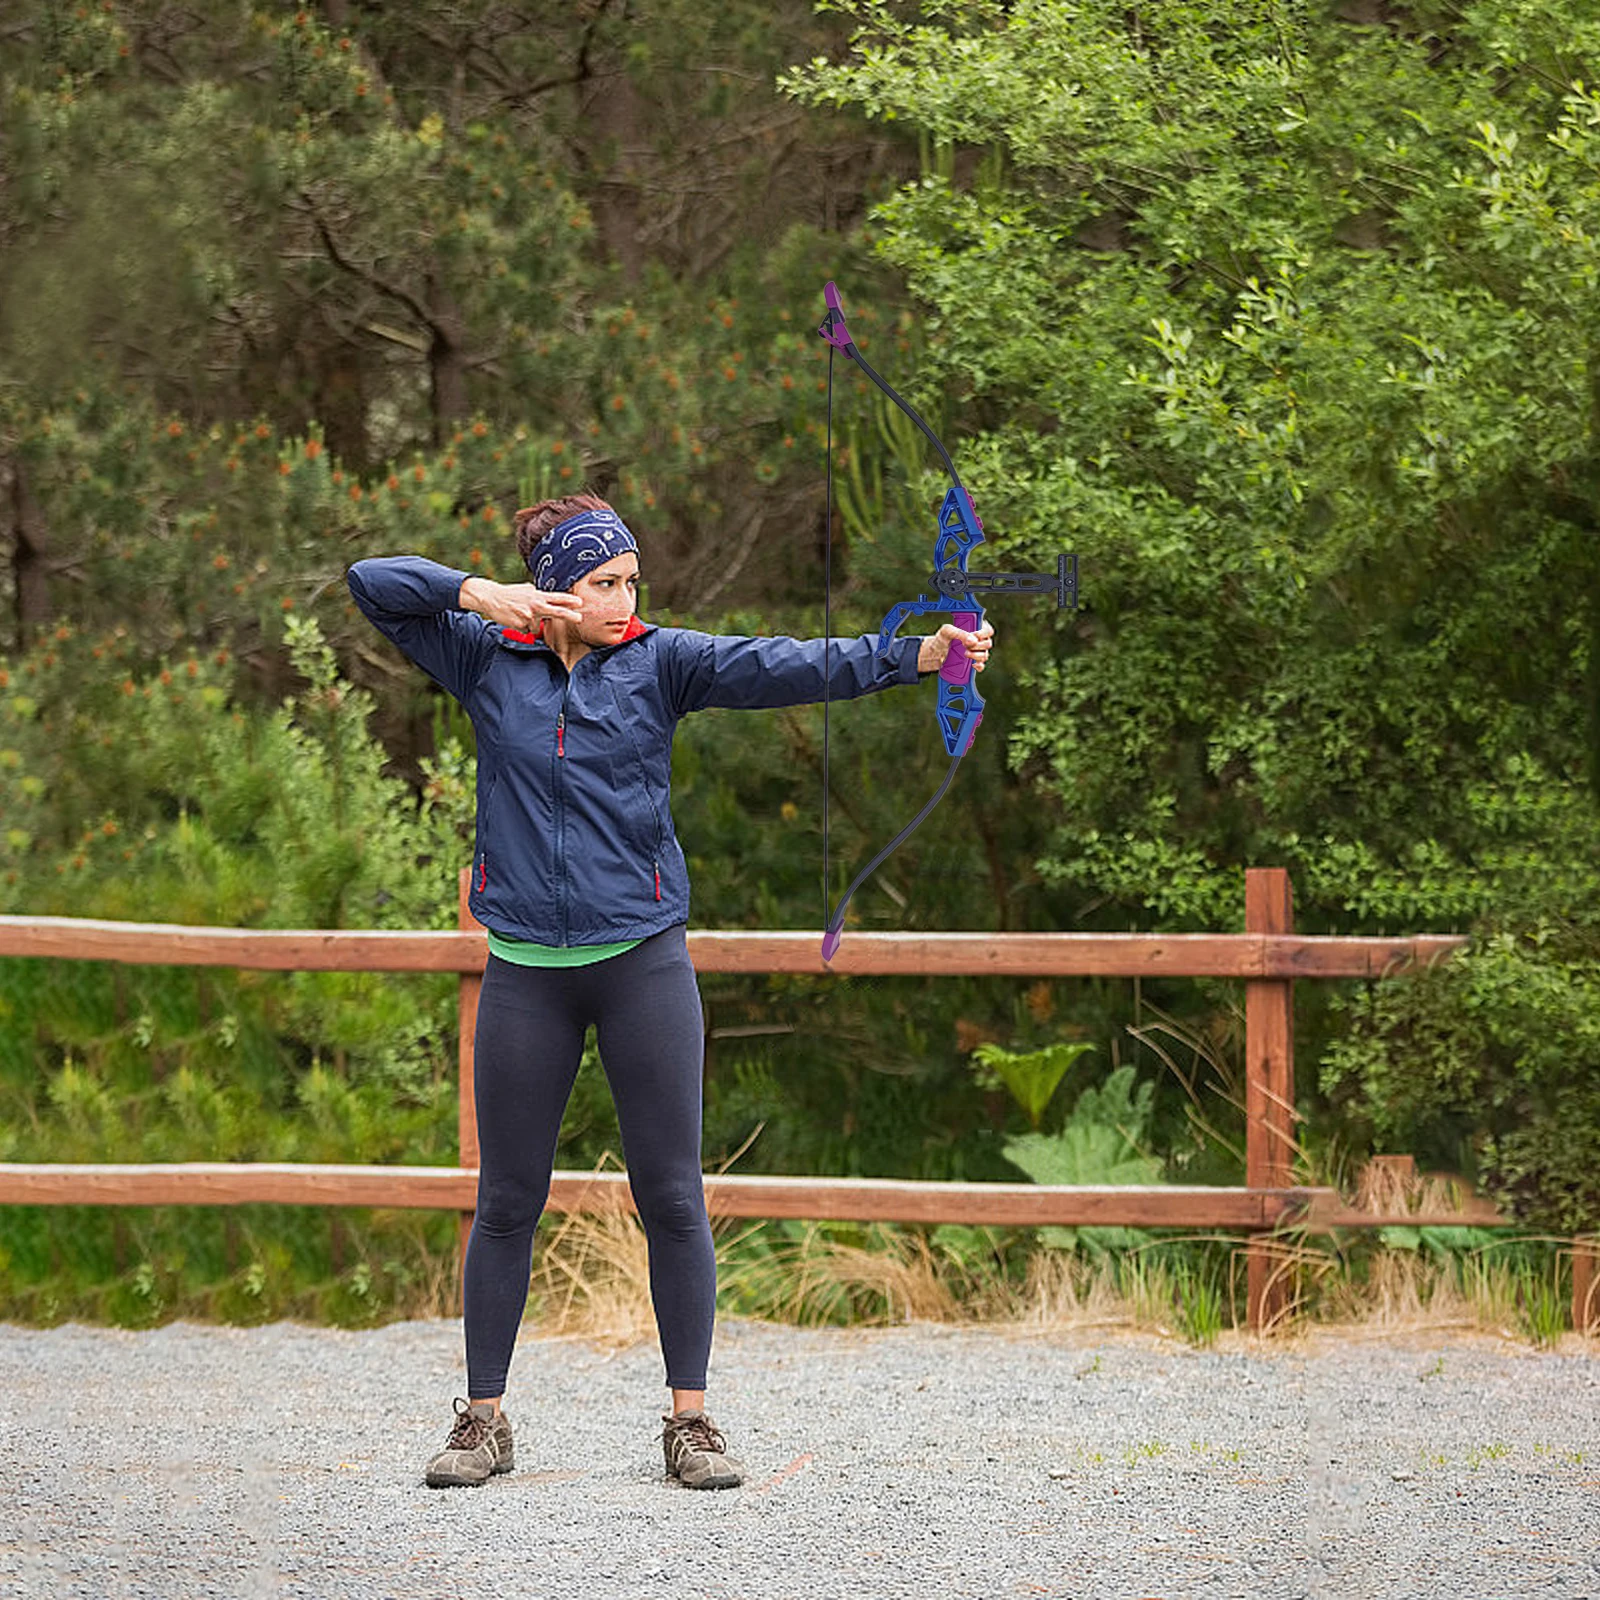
(574, 548)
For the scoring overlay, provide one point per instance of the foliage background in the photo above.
(1281, 315)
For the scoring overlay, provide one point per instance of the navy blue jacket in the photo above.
(575, 843)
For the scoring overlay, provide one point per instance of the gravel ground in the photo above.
(926, 1462)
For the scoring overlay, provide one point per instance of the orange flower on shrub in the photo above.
(969, 1035)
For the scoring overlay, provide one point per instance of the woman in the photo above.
(579, 879)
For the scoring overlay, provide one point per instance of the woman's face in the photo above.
(610, 596)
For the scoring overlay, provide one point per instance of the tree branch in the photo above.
(366, 275)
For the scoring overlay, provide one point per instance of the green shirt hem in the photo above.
(527, 954)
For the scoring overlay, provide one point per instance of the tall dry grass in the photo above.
(591, 1279)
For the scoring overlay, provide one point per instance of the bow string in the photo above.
(957, 591)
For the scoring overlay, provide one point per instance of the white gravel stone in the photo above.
(923, 1462)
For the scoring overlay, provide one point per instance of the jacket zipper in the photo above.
(561, 813)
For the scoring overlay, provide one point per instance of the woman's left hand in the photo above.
(937, 646)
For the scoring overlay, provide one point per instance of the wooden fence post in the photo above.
(1269, 1088)
(467, 1024)
(1585, 1290)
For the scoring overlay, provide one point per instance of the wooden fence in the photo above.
(1268, 957)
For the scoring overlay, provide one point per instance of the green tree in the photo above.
(1288, 316)
(377, 230)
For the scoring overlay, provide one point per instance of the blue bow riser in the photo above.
(960, 705)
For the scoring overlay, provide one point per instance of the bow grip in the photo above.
(957, 668)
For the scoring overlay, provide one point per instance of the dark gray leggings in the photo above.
(645, 1007)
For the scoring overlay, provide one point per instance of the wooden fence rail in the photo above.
(1268, 957)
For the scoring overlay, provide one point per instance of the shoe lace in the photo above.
(698, 1433)
(470, 1429)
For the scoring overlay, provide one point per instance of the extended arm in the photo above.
(747, 674)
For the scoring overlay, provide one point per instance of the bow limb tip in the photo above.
(830, 942)
(833, 329)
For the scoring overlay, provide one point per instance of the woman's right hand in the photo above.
(518, 605)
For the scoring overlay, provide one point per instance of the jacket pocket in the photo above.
(480, 873)
(643, 804)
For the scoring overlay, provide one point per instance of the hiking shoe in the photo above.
(479, 1444)
(697, 1454)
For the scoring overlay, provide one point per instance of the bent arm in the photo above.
(417, 604)
(748, 674)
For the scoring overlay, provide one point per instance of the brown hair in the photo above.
(534, 522)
